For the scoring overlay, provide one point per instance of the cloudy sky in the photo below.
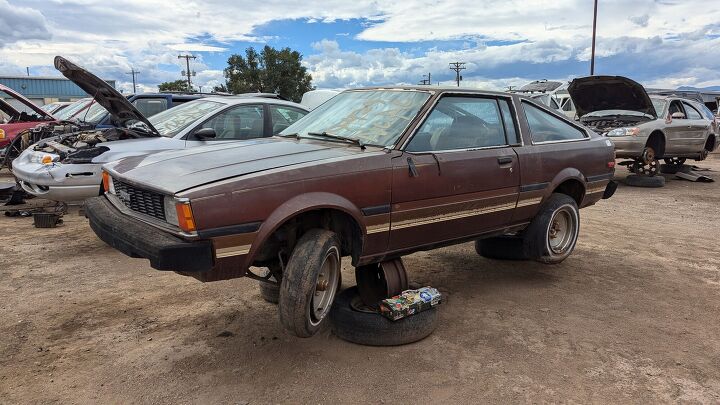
(348, 43)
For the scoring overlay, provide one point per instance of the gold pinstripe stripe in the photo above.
(452, 216)
(378, 228)
(529, 201)
(232, 251)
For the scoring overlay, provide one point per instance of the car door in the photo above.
(699, 125)
(236, 123)
(457, 176)
(678, 131)
(283, 116)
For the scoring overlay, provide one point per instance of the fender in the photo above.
(565, 174)
(296, 206)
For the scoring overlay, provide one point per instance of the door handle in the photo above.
(504, 160)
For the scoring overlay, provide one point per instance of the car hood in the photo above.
(10, 110)
(598, 93)
(179, 170)
(120, 109)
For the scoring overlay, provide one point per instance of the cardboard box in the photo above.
(410, 302)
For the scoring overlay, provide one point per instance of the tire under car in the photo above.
(351, 322)
(634, 180)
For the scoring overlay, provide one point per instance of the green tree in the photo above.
(177, 85)
(270, 71)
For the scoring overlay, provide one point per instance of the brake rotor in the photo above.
(379, 281)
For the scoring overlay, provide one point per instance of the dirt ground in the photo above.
(631, 316)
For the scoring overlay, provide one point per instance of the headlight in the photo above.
(179, 213)
(624, 132)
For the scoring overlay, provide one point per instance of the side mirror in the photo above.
(205, 133)
(677, 116)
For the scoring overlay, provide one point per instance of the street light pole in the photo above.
(592, 55)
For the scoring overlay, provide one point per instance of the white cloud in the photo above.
(676, 38)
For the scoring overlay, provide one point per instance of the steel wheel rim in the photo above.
(561, 230)
(326, 286)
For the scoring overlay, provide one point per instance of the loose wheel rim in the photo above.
(326, 286)
(561, 230)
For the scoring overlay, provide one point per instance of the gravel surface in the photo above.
(631, 316)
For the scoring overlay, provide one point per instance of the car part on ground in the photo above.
(355, 322)
(635, 180)
(310, 282)
(372, 175)
(269, 292)
(381, 280)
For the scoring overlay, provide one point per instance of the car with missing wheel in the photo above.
(371, 175)
(644, 129)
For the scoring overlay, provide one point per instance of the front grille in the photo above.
(139, 200)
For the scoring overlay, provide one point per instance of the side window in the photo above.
(509, 121)
(242, 122)
(692, 113)
(460, 123)
(283, 117)
(676, 107)
(150, 106)
(545, 127)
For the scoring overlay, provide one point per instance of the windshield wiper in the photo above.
(325, 134)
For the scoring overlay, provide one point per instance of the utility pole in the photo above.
(428, 81)
(187, 72)
(457, 67)
(27, 69)
(134, 73)
(592, 56)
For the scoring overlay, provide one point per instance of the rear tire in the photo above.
(645, 181)
(552, 234)
(373, 329)
(501, 248)
(309, 283)
(270, 292)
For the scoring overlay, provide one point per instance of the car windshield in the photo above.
(171, 122)
(94, 114)
(72, 109)
(373, 117)
(659, 105)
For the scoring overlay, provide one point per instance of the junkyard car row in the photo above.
(219, 186)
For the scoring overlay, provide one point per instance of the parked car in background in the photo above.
(642, 128)
(313, 98)
(66, 167)
(18, 116)
(55, 107)
(373, 174)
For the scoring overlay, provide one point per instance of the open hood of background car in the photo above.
(13, 112)
(120, 109)
(598, 93)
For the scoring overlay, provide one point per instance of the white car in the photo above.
(67, 167)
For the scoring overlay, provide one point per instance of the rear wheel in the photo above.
(310, 282)
(551, 236)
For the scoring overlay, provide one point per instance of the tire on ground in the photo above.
(501, 248)
(645, 181)
(373, 329)
(269, 292)
(300, 278)
(536, 238)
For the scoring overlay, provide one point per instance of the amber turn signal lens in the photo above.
(106, 181)
(46, 160)
(185, 217)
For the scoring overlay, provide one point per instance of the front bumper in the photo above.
(138, 239)
(58, 182)
(628, 146)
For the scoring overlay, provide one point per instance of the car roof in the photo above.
(232, 100)
(445, 89)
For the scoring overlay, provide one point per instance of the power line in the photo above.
(187, 72)
(134, 73)
(592, 56)
(457, 67)
(428, 81)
